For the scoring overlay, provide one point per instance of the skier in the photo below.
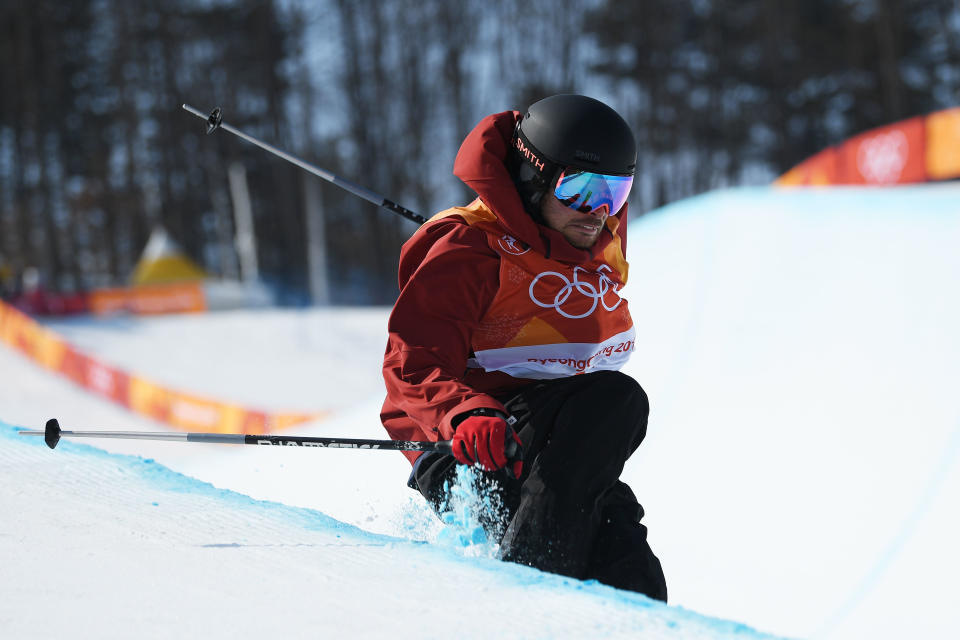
(508, 336)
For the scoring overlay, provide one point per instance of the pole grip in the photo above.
(403, 211)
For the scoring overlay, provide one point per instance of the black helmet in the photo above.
(567, 130)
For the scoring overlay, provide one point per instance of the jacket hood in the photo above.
(481, 164)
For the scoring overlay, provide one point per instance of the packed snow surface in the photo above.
(800, 474)
(120, 546)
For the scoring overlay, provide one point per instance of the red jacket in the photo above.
(453, 308)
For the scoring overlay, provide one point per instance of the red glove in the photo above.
(489, 441)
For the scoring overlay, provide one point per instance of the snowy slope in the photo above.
(239, 350)
(112, 546)
(800, 352)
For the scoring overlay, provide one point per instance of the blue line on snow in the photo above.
(169, 480)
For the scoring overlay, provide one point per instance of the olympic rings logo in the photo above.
(882, 158)
(597, 293)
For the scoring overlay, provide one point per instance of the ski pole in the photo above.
(215, 121)
(52, 434)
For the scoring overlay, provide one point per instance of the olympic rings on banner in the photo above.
(597, 293)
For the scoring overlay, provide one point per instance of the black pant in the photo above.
(569, 513)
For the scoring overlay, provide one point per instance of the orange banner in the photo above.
(181, 410)
(889, 155)
(816, 170)
(163, 298)
(914, 150)
(943, 144)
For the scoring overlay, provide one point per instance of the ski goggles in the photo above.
(592, 192)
